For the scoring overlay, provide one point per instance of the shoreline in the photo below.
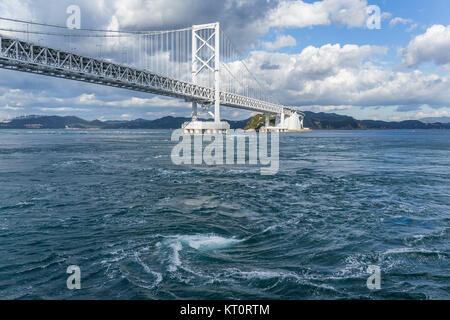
(291, 131)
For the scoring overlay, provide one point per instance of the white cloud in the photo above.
(327, 108)
(280, 42)
(432, 46)
(432, 114)
(238, 17)
(62, 109)
(143, 102)
(407, 22)
(10, 9)
(334, 75)
(23, 98)
(398, 20)
(132, 102)
(243, 21)
(87, 99)
(8, 107)
(299, 14)
(351, 13)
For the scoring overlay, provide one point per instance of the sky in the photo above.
(320, 56)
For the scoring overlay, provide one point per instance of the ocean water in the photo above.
(140, 227)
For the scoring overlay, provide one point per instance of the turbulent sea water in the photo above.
(140, 227)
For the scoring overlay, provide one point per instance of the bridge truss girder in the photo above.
(25, 56)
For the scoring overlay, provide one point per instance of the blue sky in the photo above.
(323, 56)
(422, 13)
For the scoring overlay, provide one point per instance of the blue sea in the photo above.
(140, 227)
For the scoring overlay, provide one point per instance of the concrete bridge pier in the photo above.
(197, 126)
(206, 127)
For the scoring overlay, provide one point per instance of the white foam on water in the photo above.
(199, 201)
(356, 265)
(4, 224)
(208, 242)
(410, 250)
(421, 239)
(115, 254)
(279, 276)
(264, 275)
(175, 261)
(176, 244)
(158, 276)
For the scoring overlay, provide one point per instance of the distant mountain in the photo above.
(334, 121)
(57, 122)
(163, 123)
(322, 120)
(409, 124)
(315, 121)
(436, 120)
(50, 122)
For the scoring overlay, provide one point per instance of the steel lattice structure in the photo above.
(28, 57)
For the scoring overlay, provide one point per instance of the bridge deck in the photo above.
(25, 56)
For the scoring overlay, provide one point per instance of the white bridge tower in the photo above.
(206, 57)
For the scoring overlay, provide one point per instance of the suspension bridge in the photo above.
(198, 64)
